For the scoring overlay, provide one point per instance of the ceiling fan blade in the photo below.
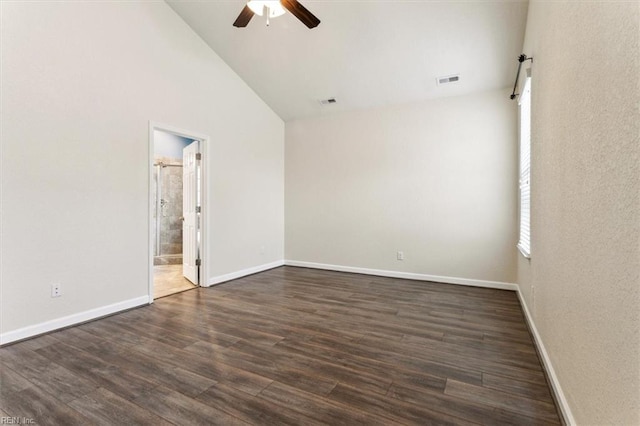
(244, 17)
(300, 12)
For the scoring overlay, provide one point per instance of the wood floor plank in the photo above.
(75, 336)
(506, 401)
(273, 321)
(108, 330)
(200, 333)
(265, 367)
(437, 367)
(209, 366)
(476, 348)
(180, 409)
(252, 409)
(120, 381)
(11, 382)
(458, 407)
(332, 372)
(323, 410)
(538, 391)
(42, 407)
(290, 346)
(103, 407)
(521, 350)
(394, 409)
(436, 376)
(470, 358)
(38, 342)
(46, 375)
(176, 378)
(165, 334)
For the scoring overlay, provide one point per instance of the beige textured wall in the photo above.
(582, 283)
(436, 180)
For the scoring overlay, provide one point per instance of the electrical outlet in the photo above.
(400, 255)
(56, 290)
(533, 297)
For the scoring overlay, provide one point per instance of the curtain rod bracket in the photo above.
(521, 59)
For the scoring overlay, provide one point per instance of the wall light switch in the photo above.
(400, 255)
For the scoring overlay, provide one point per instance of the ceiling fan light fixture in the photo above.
(274, 8)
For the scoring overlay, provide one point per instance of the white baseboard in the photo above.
(92, 314)
(561, 400)
(243, 273)
(405, 275)
(58, 323)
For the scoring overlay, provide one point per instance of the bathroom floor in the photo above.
(168, 279)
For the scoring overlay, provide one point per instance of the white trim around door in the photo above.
(204, 205)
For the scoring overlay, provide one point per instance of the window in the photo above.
(524, 244)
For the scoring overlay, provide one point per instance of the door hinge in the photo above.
(199, 209)
(198, 262)
(198, 156)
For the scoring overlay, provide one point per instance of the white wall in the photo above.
(80, 83)
(436, 180)
(582, 285)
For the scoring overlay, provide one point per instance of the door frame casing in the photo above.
(204, 202)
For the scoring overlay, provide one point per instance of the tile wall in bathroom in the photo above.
(171, 210)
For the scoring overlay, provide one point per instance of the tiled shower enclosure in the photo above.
(168, 211)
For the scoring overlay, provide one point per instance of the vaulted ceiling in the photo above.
(365, 53)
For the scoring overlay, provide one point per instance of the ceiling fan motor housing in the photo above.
(275, 8)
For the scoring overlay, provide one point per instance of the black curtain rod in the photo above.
(521, 59)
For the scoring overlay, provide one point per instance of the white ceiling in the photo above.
(365, 53)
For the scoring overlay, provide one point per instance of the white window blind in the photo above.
(524, 244)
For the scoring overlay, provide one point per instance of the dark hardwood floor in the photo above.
(289, 346)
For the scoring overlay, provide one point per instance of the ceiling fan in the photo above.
(274, 8)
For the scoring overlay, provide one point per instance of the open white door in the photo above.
(190, 212)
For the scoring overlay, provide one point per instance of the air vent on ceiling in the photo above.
(448, 79)
(329, 101)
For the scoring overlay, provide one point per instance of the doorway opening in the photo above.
(176, 207)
